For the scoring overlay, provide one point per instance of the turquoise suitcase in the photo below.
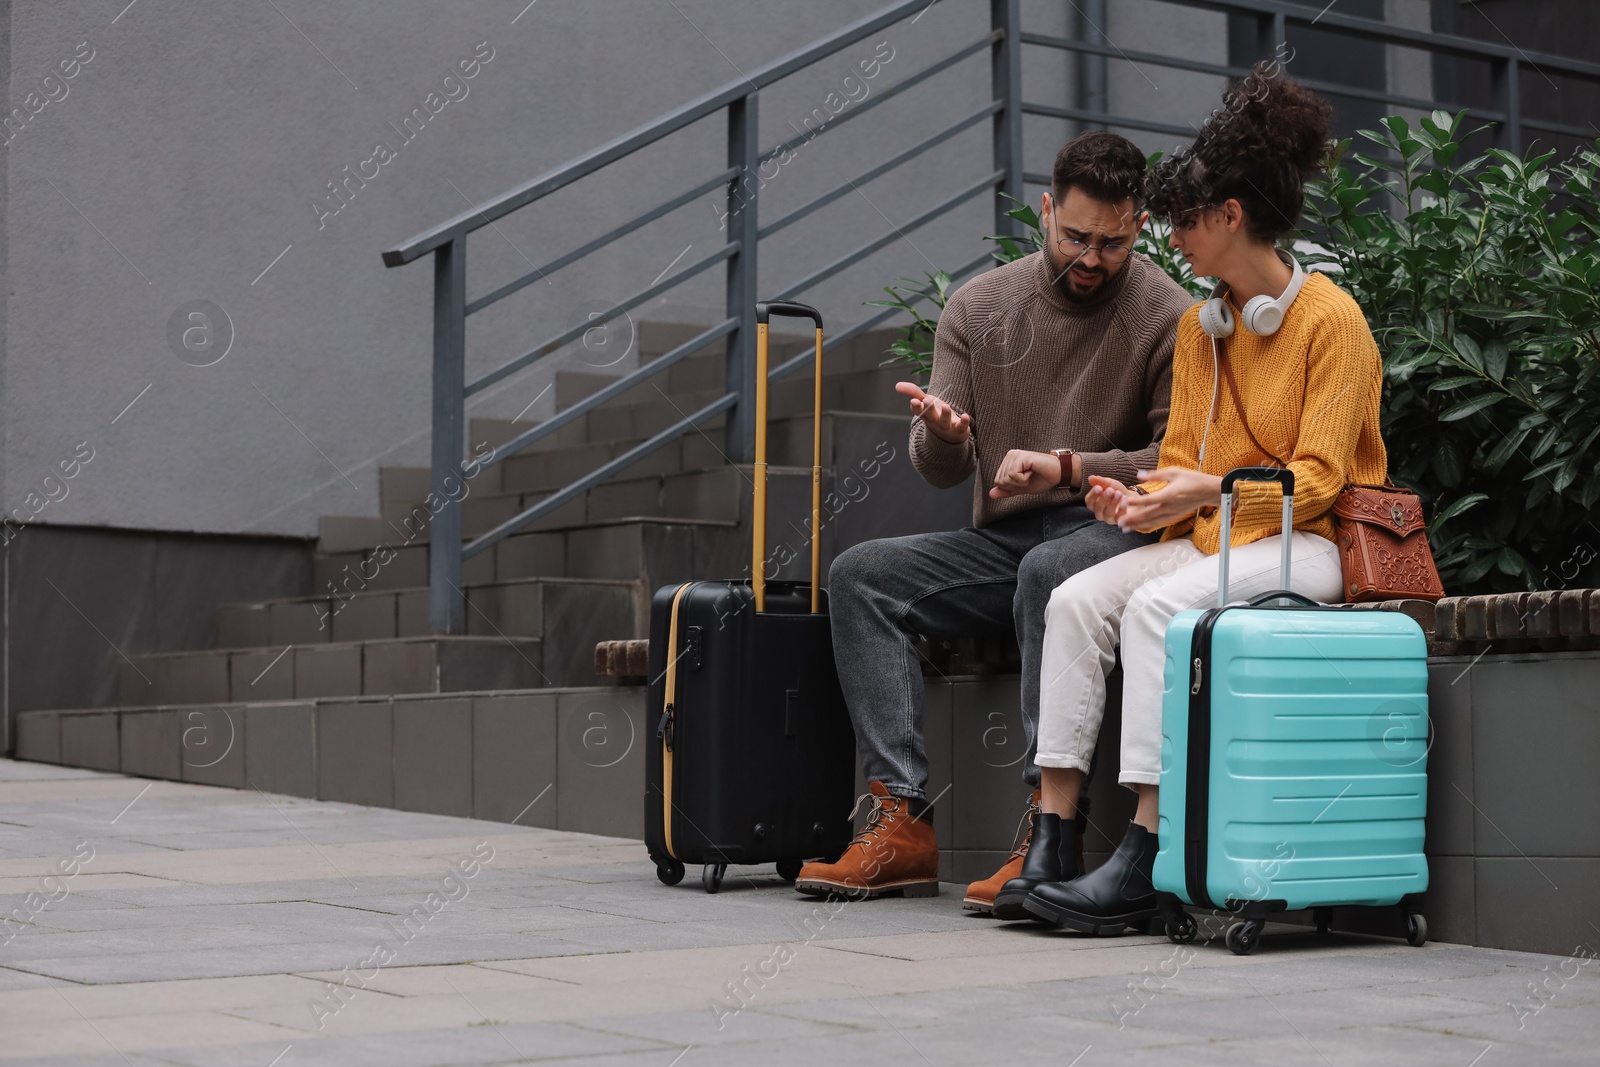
(1293, 757)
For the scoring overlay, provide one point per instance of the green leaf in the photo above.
(1471, 500)
(1495, 355)
(1468, 350)
(1476, 404)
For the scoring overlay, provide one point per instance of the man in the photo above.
(1066, 350)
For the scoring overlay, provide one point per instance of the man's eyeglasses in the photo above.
(1077, 248)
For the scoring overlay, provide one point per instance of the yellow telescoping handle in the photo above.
(758, 547)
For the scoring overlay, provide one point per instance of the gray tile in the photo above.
(514, 758)
(600, 739)
(91, 740)
(355, 752)
(265, 675)
(243, 626)
(938, 736)
(433, 749)
(281, 749)
(1450, 773)
(327, 672)
(212, 745)
(988, 758)
(411, 613)
(511, 663)
(972, 866)
(1538, 904)
(1451, 905)
(195, 678)
(151, 744)
(141, 681)
(532, 555)
(479, 570)
(365, 617)
(299, 622)
(408, 568)
(399, 667)
(577, 616)
(1517, 789)
(39, 736)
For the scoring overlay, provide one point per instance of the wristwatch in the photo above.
(1065, 456)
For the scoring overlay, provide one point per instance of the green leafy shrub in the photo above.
(1481, 282)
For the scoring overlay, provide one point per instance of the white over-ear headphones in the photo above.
(1261, 314)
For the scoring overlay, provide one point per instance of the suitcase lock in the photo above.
(691, 648)
(664, 731)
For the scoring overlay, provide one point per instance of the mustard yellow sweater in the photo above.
(1312, 391)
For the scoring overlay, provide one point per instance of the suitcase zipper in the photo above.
(669, 712)
(1194, 687)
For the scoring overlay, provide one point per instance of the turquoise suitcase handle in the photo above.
(1284, 477)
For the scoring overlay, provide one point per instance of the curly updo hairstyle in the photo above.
(1269, 136)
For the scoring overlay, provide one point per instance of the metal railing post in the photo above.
(446, 610)
(1506, 81)
(1006, 74)
(744, 149)
(1091, 22)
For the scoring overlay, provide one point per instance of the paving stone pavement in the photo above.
(164, 923)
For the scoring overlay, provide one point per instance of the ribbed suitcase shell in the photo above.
(1318, 757)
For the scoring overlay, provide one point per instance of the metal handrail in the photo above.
(614, 234)
(447, 244)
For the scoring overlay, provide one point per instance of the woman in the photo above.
(1309, 389)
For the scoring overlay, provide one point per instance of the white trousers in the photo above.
(1129, 599)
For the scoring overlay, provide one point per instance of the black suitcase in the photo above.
(753, 755)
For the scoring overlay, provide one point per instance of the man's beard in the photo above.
(1071, 290)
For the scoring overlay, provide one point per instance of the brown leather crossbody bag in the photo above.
(1379, 530)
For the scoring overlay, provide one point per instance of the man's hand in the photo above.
(941, 418)
(1026, 472)
(1185, 493)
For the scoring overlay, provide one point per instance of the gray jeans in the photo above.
(959, 583)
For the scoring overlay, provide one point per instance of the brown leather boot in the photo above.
(980, 895)
(895, 852)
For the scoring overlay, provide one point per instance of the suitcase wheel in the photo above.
(1416, 929)
(1181, 930)
(1323, 917)
(789, 870)
(670, 871)
(711, 876)
(1243, 937)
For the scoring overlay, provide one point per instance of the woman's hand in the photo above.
(1106, 497)
(1185, 493)
(1026, 472)
(942, 419)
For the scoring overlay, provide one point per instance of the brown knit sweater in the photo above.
(1037, 371)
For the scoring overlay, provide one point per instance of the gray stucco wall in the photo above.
(185, 158)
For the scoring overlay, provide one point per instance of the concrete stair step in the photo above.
(649, 551)
(718, 494)
(438, 664)
(525, 607)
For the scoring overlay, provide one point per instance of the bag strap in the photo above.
(1233, 392)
